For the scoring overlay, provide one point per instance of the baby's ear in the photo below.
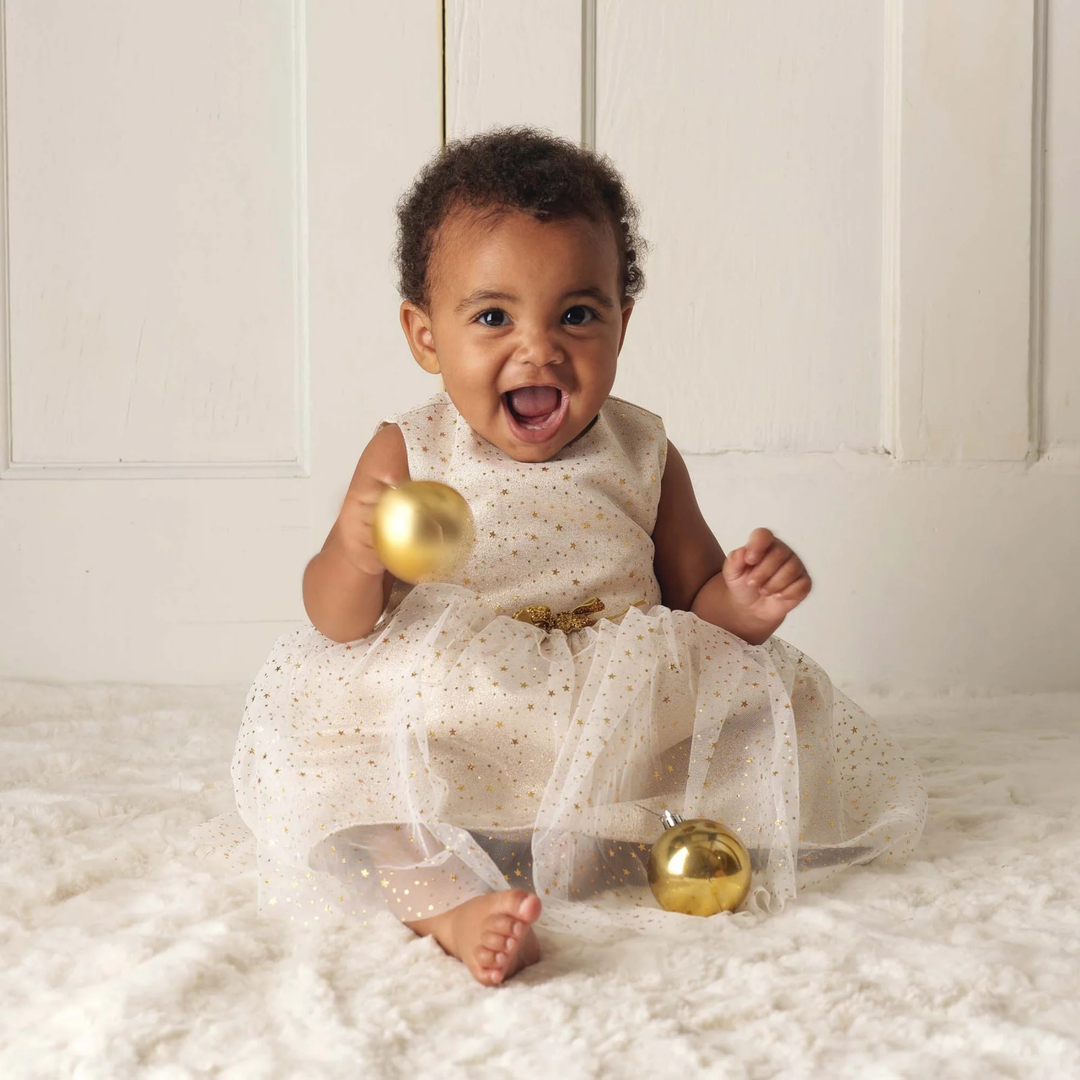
(627, 311)
(416, 323)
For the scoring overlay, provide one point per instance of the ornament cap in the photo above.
(669, 819)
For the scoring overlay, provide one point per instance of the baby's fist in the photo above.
(766, 576)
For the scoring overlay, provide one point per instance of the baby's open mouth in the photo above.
(535, 413)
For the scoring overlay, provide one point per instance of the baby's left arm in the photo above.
(748, 592)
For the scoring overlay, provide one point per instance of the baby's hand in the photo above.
(353, 530)
(766, 577)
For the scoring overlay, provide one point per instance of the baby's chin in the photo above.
(529, 444)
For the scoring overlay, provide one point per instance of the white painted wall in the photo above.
(201, 320)
(852, 326)
(844, 320)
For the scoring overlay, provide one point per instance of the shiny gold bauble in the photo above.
(698, 867)
(422, 529)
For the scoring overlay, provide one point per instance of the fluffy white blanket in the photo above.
(124, 954)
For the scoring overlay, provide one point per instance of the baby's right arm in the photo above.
(345, 586)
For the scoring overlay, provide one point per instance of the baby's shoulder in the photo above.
(637, 430)
(437, 409)
(617, 409)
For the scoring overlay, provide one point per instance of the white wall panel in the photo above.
(155, 232)
(189, 579)
(965, 230)
(513, 63)
(751, 134)
(1061, 337)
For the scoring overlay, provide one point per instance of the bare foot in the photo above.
(491, 935)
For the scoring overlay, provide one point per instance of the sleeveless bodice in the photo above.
(552, 533)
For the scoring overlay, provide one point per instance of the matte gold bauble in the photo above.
(422, 529)
(698, 867)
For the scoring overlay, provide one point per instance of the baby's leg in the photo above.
(489, 931)
(491, 935)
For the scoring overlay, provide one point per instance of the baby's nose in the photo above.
(538, 348)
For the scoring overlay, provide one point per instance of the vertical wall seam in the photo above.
(442, 73)
(891, 224)
(1036, 371)
(301, 270)
(7, 448)
(588, 74)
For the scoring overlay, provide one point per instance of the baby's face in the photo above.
(517, 304)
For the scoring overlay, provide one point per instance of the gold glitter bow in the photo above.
(567, 621)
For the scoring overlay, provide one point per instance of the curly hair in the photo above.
(516, 168)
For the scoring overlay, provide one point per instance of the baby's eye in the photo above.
(578, 315)
(493, 317)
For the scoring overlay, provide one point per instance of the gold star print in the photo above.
(513, 742)
(453, 731)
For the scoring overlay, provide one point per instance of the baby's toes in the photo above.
(498, 943)
(489, 958)
(504, 925)
(489, 965)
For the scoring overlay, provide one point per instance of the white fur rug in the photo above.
(124, 954)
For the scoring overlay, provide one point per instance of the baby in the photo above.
(477, 750)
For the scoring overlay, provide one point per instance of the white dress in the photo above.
(457, 750)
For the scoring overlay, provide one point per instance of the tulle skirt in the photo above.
(451, 753)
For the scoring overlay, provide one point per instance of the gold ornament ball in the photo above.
(422, 530)
(698, 867)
